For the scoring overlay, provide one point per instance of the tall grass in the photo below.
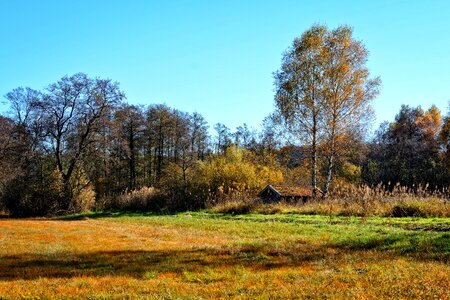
(351, 200)
(143, 199)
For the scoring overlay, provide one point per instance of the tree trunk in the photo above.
(314, 161)
(132, 160)
(314, 169)
(328, 180)
(330, 166)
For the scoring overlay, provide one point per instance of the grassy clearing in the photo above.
(207, 255)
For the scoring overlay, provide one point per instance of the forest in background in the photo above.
(67, 149)
(77, 145)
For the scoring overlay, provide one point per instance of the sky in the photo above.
(217, 57)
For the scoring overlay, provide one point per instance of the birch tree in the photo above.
(347, 92)
(323, 91)
(298, 86)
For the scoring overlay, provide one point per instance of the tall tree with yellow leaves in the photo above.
(347, 93)
(323, 91)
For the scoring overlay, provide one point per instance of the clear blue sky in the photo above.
(217, 57)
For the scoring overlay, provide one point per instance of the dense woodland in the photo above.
(77, 145)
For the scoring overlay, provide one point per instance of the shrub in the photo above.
(234, 173)
(84, 199)
(421, 207)
(231, 176)
(24, 198)
(83, 194)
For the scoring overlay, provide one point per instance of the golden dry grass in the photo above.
(192, 256)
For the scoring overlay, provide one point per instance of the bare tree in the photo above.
(129, 127)
(160, 123)
(198, 130)
(7, 149)
(74, 109)
(223, 137)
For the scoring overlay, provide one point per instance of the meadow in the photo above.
(203, 255)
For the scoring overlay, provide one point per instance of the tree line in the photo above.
(77, 144)
(77, 141)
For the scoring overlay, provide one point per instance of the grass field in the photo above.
(205, 255)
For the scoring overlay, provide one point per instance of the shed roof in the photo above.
(291, 191)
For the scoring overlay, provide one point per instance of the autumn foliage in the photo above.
(76, 146)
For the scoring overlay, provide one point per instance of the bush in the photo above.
(233, 175)
(84, 199)
(83, 194)
(425, 207)
(25, 198)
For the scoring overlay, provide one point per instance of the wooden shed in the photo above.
(277, 193)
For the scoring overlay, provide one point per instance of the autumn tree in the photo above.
(236, 171)
(407, 151)
(347, 93)
(322, 91)
(444, 138)
(298, 86)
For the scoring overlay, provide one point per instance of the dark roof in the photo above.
(291, 191)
